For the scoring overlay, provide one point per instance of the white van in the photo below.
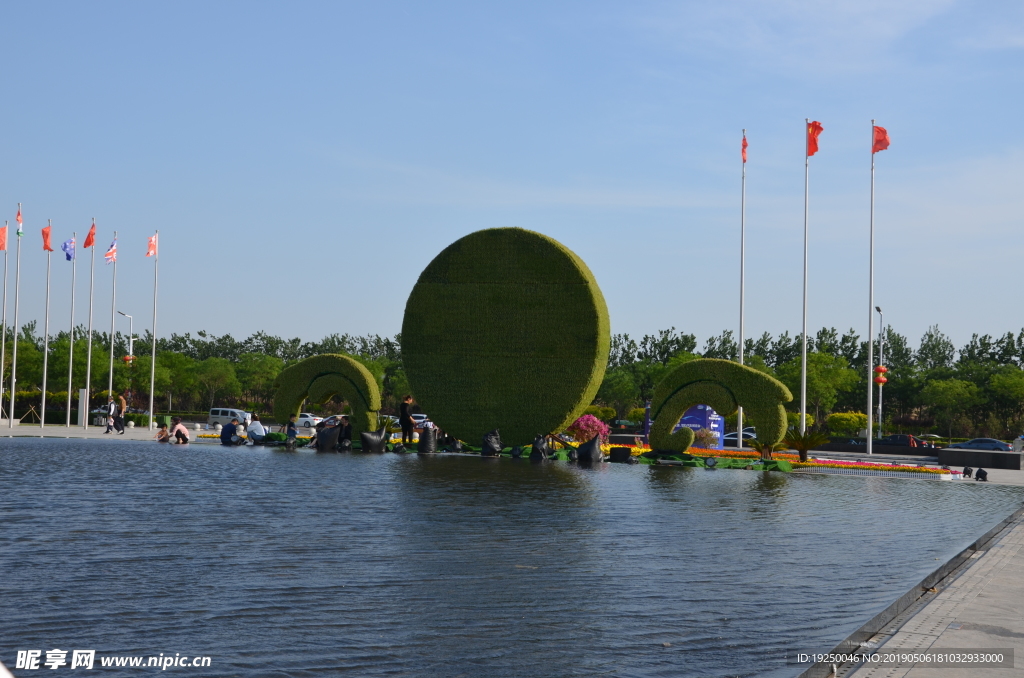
(223, 416)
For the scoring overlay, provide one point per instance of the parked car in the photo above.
(984, 444)
(902, 439)
(418, 420)
(308, 420)
(730, 438)
(224, 415)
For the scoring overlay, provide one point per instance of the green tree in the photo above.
(217, 379)
(948, 398)
(256, 373)
(827, 377)
(1006, 388)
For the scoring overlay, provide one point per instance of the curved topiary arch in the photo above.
(506, 328)
(322, 377)
(724, 386)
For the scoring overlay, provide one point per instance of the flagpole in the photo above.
(871, 294)
(743, 250)
(14, 349)
(71, 336)
(46, 339)
(803, 343)
(88, 356)
(3, 335)
(152, 360)
(113, 317)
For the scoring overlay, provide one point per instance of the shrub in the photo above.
(588, 426)
(602, 413)
(793, 420)
(636, 414)
(847, 423)
(723, 385)
(505, 329)
(804, 442)
(705, 438)
(322, 377)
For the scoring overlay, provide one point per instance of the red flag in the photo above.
(18, 218)
(743, 148)
(881, 139)
(46, 239)
(90, 239)
(151, 247)
(3, 238)
(813, 130)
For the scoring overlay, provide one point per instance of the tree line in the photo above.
(976, 390)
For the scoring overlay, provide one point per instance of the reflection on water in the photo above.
(305, 565)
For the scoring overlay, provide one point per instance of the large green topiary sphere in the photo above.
(506, 329)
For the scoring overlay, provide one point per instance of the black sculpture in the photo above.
(375, 441)
(327, 439)
(981, 474)
(399, 449)
(492, 444)
(621, 455)
(428, 441)
(590, 452)
(539, 451)
(345, 445)
(517, 452)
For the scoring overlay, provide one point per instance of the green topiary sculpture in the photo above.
(322, 377)
(506, 329)
(724, 386)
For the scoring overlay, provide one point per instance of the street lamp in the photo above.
(881, 369)
(130, 358)
(131, 334)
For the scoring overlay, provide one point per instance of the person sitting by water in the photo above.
(346, 429)
(229, 434)
(179, 432)
(162, 434)
(256, 431)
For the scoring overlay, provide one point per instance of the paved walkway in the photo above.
(983, 608)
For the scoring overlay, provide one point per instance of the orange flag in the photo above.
(743, 148)
(3, 238)
(46, 239)
(880, 141)
(90, 239)
(151, 246)
(813, 130)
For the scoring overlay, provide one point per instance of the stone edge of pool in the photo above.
(913, 600)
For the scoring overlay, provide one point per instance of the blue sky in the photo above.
(302, 156)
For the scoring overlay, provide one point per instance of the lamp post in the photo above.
(131, 345)
(881, 369)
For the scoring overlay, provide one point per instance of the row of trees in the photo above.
(976, 390)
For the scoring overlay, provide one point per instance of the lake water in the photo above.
(296, 564)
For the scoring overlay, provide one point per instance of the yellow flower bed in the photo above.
(871, 467)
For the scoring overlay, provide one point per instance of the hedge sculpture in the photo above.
(724, 386)
(506, 329)
(322, 377)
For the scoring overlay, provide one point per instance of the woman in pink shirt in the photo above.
(179, 432)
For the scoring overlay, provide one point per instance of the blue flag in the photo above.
(69, 249)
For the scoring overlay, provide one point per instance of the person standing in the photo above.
(405, 420)
(111, 414)
(122, 407)
(292, 429)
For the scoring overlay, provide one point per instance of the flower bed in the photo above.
(872, 466)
